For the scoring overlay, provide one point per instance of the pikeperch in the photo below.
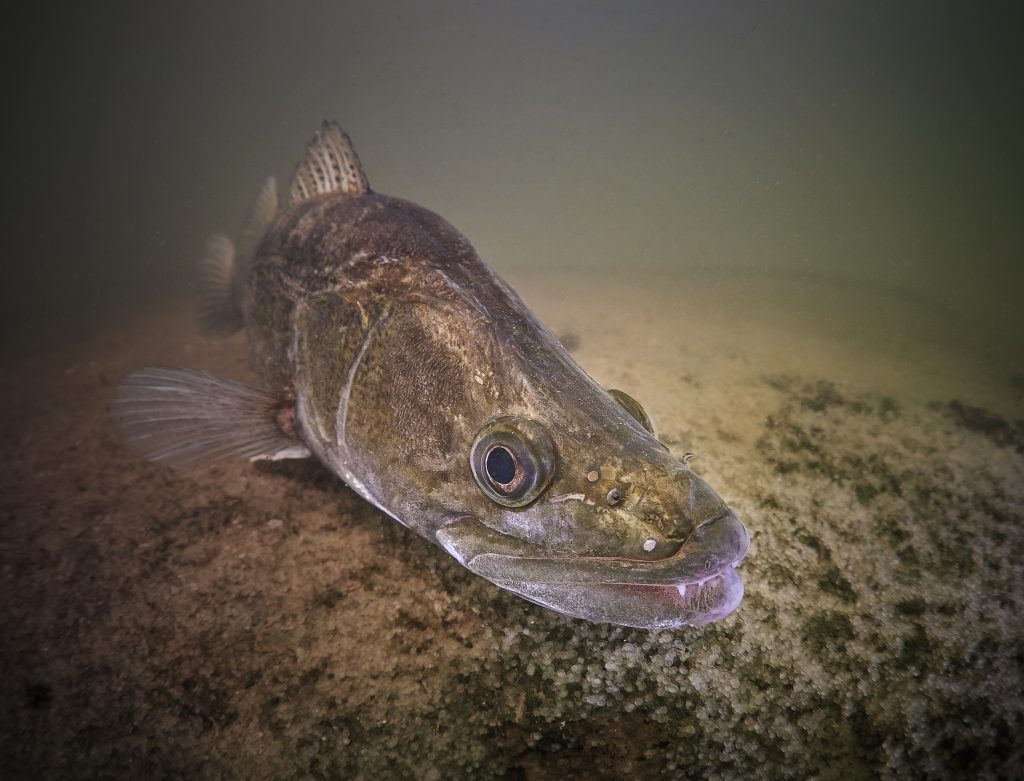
(391, 352)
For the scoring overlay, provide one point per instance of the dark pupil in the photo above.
(501, 467)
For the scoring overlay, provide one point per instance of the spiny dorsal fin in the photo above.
(184, 418)
(219, 313)
(330, 166)
(262, 214)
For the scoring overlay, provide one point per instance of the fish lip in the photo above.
(641, 606)
(669, 593)
(714, 548)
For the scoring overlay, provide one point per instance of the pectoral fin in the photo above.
(185, 418)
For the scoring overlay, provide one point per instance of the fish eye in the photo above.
(634, 408)
(501, 466)
(513, 460)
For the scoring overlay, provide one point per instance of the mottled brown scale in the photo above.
(330, 258)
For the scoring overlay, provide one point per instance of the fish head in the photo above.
(485, 435)
(581, 509)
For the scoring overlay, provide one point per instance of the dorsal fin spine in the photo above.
(330, 166)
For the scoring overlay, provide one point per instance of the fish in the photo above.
(387, 350)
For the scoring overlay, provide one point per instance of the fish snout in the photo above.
(713, 545)
(698, 504)
(720, 542)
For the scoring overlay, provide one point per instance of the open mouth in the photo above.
(696, 585)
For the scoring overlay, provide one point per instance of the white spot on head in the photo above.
(566, 497)
(681, 587)
(649, 545)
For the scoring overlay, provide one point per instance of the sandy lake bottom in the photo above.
(263, 622)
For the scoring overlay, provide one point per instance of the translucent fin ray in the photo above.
(262, 214)
(219, 313)
(186, 418)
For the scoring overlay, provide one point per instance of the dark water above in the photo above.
(871, 144)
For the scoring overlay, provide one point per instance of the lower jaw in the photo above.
(640, 606)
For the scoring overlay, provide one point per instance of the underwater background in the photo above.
(791, 230)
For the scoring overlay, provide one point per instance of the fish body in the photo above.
(393, 354)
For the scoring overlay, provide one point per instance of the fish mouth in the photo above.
(695, 585)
